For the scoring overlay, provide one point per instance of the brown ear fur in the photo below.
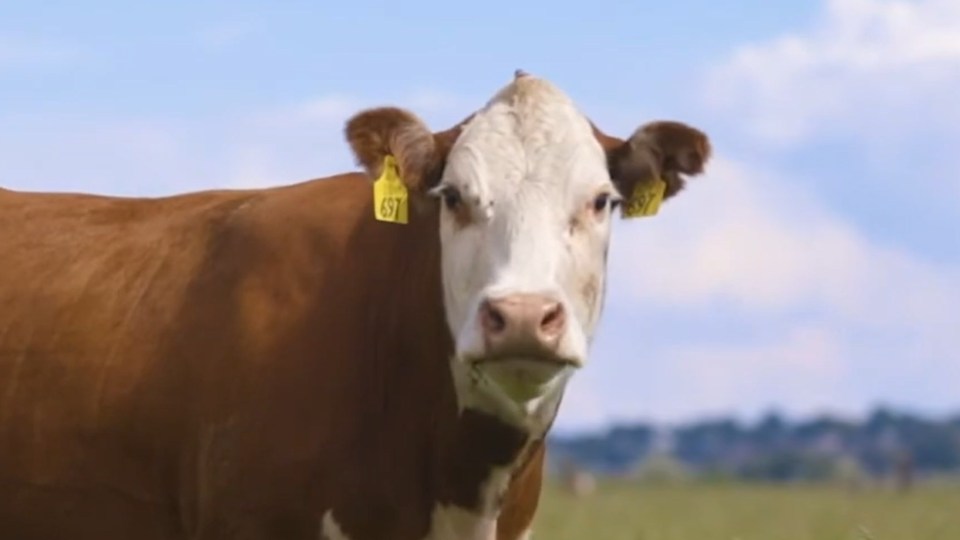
(664, 148)
(420, 154)
(375, 133)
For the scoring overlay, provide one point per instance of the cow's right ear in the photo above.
(664, 150)
(420, 154)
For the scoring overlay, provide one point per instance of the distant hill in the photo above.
(773, 448)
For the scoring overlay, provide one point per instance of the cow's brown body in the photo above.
(232, 364)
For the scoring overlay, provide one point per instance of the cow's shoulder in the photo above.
(326, 209)
(281, 259)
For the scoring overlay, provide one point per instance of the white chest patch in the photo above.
(452, 523)
(330, 529)
(455, 523)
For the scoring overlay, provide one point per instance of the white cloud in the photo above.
(870, 69)
(755, 239)
(802, 370)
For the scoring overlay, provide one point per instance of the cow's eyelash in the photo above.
(449, 194)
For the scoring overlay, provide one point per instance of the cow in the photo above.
(377, 354)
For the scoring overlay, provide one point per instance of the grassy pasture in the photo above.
(621, 511)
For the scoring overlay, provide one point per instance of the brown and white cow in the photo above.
(277, 363)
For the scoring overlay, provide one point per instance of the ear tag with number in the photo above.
(645, 199)
(390, 194)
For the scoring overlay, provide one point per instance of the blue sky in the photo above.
(816, 268)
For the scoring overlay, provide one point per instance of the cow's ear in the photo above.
(419, 153)
(663, 149)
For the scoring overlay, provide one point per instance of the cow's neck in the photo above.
(478, 464)
(476, 454)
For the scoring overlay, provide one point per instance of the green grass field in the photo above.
(741, 512)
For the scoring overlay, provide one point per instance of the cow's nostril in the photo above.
(493, 319)
(553, 319)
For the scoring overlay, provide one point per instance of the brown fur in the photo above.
(523, 497)
(666, 149)
(375, 133)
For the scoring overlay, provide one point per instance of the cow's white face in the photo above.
(526, 207)
(526, 190)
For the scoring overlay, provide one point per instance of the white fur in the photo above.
(454, 523)
(330, 529)
(526, 164)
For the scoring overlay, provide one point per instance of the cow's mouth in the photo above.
(524, 378)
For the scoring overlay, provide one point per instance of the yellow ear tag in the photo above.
(390, 194)
(645, 199)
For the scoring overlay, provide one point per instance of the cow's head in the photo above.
(527, 189)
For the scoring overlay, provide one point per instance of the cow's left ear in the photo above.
(665, 149)
(419, 153)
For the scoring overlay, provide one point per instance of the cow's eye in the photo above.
(602, 201)
(451, 197)
(449, 194)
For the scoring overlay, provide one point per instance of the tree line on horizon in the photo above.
(886, 443)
